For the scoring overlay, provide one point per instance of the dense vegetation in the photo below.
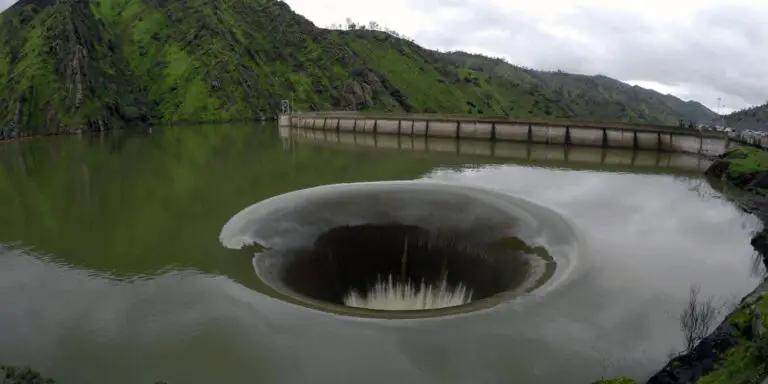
(27, 375)
(754, 118)
(22, 375)
(68, 65)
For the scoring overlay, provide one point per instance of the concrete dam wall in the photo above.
(571, 157)
(618, 135)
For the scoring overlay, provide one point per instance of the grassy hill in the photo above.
(755, 118)
(69, 65)
(598, 96)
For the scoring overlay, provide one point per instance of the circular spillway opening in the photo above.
(403, 249)
(403, 267)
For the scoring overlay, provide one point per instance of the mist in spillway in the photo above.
(392, 294)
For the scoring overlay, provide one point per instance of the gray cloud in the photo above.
(719, 52)
(5, 4)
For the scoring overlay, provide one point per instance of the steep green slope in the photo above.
(428, 84)
(68, 65)
(755, 118)
(229, 60)
(59, 70)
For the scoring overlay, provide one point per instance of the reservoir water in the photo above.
(112, 268)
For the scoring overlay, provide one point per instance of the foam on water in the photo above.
(391, 295)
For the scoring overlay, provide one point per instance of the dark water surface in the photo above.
(111, 269)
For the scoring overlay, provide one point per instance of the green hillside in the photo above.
(755, 118)
(598, 96)
(68, 65)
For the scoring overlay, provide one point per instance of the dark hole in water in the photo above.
(355, 257)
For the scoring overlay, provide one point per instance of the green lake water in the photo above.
(111, 268)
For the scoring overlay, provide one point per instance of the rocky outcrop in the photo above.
(743, 167)
(358, 95)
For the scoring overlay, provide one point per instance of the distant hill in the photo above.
(76, 64)
(755, 118)
(597, 96)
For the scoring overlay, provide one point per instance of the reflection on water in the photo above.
(746, 201)
(540, 154)
(116, 269)
(117, 203)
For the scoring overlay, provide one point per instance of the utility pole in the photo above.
(718, 107)
(723, 117)
(285, 107)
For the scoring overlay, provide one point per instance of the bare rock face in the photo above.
(51, 119)
(373, 80)
(358, 94)
(364, 90)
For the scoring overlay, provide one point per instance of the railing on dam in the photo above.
(760, 142)
(569, 133)
(606, 159)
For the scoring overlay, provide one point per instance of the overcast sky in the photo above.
(694, 49)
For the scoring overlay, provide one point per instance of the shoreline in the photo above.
(736, 350)
(711, 360)
(77, 132)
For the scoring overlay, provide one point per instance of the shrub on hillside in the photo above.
(22, 375)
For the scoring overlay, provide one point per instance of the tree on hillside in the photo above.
(351, 25)
(697, 318)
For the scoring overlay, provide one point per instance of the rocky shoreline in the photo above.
(730, 343)
(724, 356)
